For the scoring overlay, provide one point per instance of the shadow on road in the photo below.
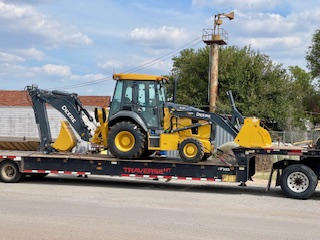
(149, 184)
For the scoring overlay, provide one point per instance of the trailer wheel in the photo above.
(126, 140)
(9, 172)
(191, 150)
(298, 181)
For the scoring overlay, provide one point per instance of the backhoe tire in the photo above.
(9, 172)
(126, 140)
(298, 181)
(191, 150)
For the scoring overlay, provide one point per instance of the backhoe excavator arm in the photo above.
(246, 132)
(68, 104)
(232, 127)
(211, 118)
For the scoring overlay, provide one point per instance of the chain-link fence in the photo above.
(296, 138)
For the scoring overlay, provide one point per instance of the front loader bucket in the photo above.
(252, 134)
(66, 139)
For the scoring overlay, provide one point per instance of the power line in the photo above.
(135, 69)
(93, 82)
(162, 58)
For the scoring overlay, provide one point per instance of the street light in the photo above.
(215, 37)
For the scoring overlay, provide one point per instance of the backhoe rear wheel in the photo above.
(9, 172)
(126, 140)
(191, 150)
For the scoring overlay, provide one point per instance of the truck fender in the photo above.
(283, 164)
(128, 115)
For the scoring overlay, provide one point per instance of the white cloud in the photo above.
(7, 57)
(58, 70)
(110, 64)
(273, 25)
(89, 77)
(134, 63)
(248, 5)
(275, 43)
(9, 71)
(24, 19)
(164, 37)
(200, 3)
(32, 53)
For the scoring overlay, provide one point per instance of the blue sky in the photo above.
(77, 45)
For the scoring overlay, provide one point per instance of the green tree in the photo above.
(260, 87)
(192, 68)
(313, 55)
(301, 89)
(312, 107)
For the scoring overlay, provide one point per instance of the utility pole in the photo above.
(213, 81)
(214, 38)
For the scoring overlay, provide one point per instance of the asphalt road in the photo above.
(60, 207)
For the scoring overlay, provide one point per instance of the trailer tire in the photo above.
(126, 140)
(191, 150)
(298, 181)
(9, 172)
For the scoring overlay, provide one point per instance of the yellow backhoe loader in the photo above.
(141, 121)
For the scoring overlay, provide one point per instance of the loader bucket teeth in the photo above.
(252, 135)
(66, 139)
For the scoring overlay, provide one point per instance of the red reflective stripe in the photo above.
(295, 152)
(211, 179)
(11, 157)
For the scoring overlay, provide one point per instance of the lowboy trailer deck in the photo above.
(297, 178)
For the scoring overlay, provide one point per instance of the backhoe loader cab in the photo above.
(140, 94)
(136, 116)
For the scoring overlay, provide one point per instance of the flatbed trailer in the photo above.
(297, 178)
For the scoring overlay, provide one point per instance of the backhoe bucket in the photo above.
(66, 139)
(252, 134)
